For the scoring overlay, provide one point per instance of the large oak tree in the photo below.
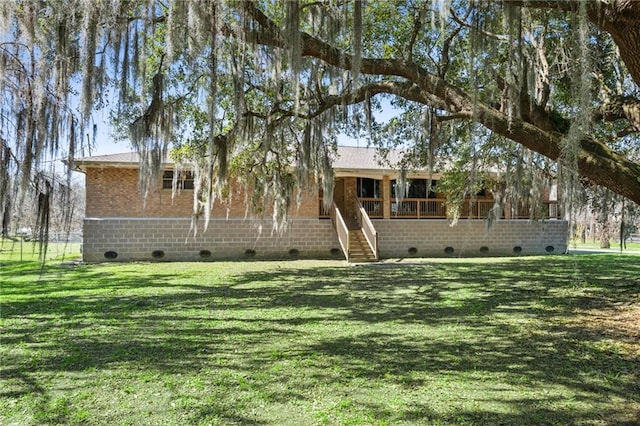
(531, 88)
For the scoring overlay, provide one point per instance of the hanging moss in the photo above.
(581, 126)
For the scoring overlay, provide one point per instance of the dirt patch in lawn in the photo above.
(616, 329)
(620, 324)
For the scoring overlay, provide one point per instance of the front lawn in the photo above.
(614, 246)
(510, 341)
(16, 250)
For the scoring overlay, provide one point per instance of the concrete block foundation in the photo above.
(168, 239)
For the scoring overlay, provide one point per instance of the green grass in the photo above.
(16, 250)
(510, 341)
(615, 245)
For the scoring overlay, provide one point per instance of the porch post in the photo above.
(386, 197)
(350, 196)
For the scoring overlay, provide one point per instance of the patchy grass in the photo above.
(511, 341)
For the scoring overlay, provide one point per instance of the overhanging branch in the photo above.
(596, 161)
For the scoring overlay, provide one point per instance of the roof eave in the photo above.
(359, 172)
(82, 165)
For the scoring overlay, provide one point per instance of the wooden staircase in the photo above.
(359, 249)
(353, 237)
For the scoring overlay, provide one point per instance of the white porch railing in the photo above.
(341, 228)
(367, 227)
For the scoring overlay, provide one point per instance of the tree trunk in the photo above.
(621, 19)
(605, 242)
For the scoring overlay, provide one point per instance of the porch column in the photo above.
(350, 195)
(386, 197)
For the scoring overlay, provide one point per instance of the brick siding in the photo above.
(113, 192)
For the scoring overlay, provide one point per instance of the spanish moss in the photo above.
(258, 94)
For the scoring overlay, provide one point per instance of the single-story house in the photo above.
(366, 221)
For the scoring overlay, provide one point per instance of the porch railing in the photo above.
(367, 227)
(419, 208)
(476, 209)
(554, 210)
(434, 208)
(341, 229)
(323, 212)
(373, 207)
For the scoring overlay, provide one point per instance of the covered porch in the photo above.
(378, 199)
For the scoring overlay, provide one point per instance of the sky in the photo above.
(105, 143)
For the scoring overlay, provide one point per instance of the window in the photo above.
(368, 188)
(185, 180)
(416, 188)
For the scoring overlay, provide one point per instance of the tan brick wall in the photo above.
(137, 238)
(113, 192)
(386, 197)
(432, 237)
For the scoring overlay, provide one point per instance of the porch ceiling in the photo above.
(379, 174)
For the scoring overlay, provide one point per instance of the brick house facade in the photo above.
(121, 226)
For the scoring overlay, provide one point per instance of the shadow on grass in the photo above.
(501, 332)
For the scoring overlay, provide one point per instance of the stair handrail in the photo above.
(369, 231)
(341, 228)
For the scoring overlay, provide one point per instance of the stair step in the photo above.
(361, 259)
(359, 250)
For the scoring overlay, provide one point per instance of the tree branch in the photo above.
(406, 90)
(621, 108)
(450, 117)
(417, 26)
(462, 23)
(596, 161)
